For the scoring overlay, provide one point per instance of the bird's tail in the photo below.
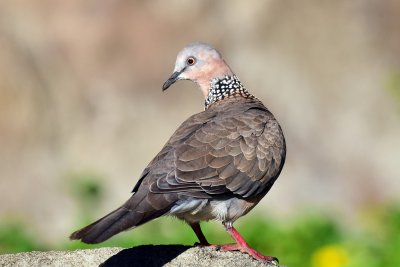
(125, 217)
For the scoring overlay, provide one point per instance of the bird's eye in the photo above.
(190, 61)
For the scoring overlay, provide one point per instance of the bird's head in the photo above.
(200, 63)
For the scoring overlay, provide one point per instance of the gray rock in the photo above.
(147, 255)
(86, 257)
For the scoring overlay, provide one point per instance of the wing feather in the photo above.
(232, 153)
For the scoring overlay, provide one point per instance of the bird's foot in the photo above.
(200, 244)
(252, 252)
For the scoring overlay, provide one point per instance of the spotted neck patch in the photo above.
(221, 88)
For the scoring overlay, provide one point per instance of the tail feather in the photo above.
(121, 219)
(104, 228)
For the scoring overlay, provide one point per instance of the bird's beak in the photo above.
(172, 79)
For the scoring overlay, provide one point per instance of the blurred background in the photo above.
(82, 113)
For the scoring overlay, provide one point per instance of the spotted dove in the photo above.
(216, 166)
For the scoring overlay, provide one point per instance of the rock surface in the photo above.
(147, 255)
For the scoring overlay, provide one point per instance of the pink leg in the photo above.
(242, 246)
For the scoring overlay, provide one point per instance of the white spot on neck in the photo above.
(221, 88)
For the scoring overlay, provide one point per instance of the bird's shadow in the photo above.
(146, 255)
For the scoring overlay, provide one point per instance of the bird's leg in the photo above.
(197, 230)
(242, 246)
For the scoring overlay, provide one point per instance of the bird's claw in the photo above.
(199, 244)
(275, 261)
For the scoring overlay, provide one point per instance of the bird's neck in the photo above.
(222, 88)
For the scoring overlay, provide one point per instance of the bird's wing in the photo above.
(241, 154)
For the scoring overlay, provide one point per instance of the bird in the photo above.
(217, 165)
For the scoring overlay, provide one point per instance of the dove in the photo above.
(217, 165)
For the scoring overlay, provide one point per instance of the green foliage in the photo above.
(309, 240)
(389, 243)
(393, 86)
(87, 191)
(16, 237)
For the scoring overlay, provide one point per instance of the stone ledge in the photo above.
(146, 255)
